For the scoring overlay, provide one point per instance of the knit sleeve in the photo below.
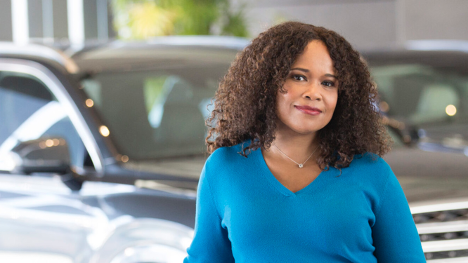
(210, 243)
(394, 233)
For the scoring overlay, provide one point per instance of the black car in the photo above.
(101, 149)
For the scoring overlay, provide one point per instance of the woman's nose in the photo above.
(313, 92)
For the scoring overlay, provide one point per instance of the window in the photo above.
(420, 94)
(28, 111)
(156, 113)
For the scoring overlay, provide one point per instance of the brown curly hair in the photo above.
(245, 103)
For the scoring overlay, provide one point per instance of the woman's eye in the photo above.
(329, 83)
(299, 77)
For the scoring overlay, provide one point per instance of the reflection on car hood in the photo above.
(183, 167)
(427, 176)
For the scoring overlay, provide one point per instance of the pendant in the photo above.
(301, 165)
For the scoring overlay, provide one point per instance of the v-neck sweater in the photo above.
(244, 214)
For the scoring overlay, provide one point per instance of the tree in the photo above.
(140, 19)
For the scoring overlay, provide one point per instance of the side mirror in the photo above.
(46, 155)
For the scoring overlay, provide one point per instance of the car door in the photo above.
(41, 219)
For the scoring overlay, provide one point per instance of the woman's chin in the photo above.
(302, 131)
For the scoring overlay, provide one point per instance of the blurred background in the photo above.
(365, 23)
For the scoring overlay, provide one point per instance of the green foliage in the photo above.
(234, 22)
(140, 19)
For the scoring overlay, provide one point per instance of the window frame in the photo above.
(53, 84)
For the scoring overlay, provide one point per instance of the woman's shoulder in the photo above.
(371, 166)
(225, 162)
(227, 155)
(227, 152)
(369, 160)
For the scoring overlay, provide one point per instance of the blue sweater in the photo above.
(244, 214)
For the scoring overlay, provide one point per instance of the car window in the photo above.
(156, 113)
(28, 111)
(420, 94)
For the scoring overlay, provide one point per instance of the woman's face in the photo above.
(311, 92)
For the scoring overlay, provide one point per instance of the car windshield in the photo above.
(425, 98)
(157, 112)
(422, 95)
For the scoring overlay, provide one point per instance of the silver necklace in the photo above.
(298, 164)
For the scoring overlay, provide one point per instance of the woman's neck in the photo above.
(296, 146)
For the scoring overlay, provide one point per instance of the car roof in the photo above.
(444, 55)
(70, 57)
(178, 50)
(38, 53)
(224, 42)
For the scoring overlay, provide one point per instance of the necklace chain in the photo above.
(298, 164)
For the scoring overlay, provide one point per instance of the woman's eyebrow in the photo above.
(301, 69)
(307, 71)
(331, 75)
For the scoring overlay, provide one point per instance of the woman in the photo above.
(295, 173)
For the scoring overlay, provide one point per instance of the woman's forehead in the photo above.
(315, 57)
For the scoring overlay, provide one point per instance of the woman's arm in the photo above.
(211, 243)
(394, 233)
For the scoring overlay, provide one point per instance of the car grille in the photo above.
(443, 230)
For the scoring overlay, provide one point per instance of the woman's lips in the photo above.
(309, 110)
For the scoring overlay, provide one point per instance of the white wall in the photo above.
(49, 20)
(367, 23)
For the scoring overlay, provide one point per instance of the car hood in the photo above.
(429, 176)
(423, 175)
(189, 167)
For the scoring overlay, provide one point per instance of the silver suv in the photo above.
(100, 150)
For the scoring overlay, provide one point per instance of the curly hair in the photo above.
(245, 102)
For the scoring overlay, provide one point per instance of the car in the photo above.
(423, 89)
(100, 151)
(101, 147)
